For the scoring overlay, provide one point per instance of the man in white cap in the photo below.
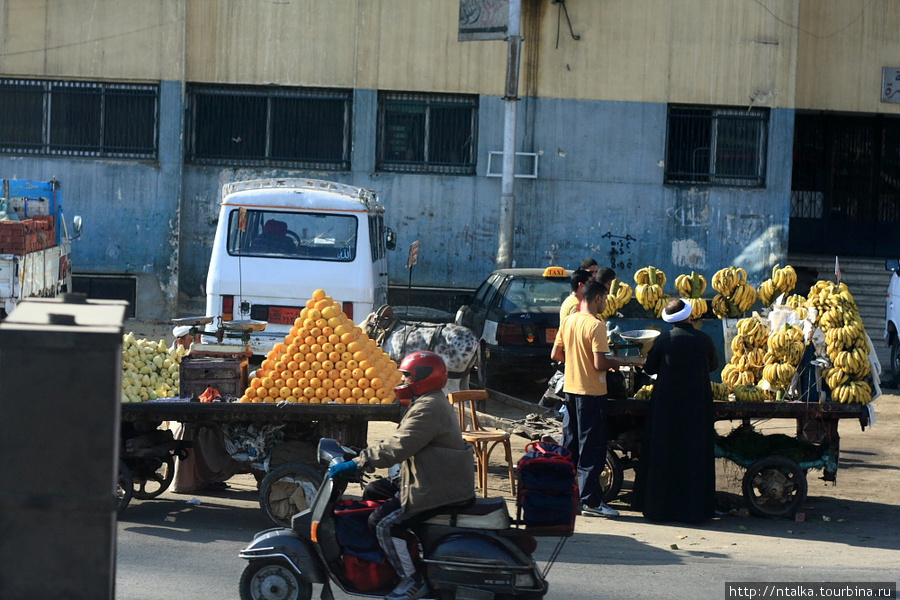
(676, 478)
(183, 337)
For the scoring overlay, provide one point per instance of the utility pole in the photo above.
(506, 238)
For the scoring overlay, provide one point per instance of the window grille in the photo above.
(78, 118)
(427, 133)
(266, 126)
(716, 146)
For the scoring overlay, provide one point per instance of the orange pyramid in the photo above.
(325, 358)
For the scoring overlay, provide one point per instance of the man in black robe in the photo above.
(676, 478)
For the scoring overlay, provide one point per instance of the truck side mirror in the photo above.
(390, 239)
(76, 225)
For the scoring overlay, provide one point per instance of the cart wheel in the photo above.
(150, 482)
(774, 486)
(124, 488)
(263, 580)
(288, 490)
(611, 477)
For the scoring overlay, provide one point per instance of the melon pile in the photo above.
(325, 359)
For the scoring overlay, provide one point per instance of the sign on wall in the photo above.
(890, 84)
(483, 20)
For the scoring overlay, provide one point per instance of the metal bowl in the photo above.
(244, 326)
(641, 336)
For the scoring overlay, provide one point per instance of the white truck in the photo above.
(892, 317)
(35, 244)
(278, 240)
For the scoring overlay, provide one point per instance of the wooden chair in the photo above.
(483, 441)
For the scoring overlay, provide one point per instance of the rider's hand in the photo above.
(344, 469)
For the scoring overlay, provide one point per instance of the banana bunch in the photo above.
(720, 391)
(748, 353)
(783, 281)
(846, 343)
(733, 376)
(749, 393)
(619, 295)
(649, 290)
(644, 392)
(779, 374)
(859, 392)
(691, 288)
(797, 303)
(735, 296)
(786, 346)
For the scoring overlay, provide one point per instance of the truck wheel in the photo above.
(288, 490)
(275, 580)
(611, 477)
(774, 486)
(124, 487)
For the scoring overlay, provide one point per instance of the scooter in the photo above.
(470, 553)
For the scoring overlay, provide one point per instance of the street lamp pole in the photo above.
(506, 238)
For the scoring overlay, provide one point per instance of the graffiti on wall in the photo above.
(620, 250)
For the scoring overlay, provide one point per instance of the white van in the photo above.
(278, 240)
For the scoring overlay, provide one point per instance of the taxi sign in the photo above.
(555, 272)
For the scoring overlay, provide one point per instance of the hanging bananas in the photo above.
(735, 296)
(649, 290)
(835, 312)
(691, 288)
(858, 392)
(782, 281)
(748, 353)
(619, 295)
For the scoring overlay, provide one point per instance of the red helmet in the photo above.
(426, 370)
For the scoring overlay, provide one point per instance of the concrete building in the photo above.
(687, 135)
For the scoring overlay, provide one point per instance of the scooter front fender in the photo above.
(285, 544)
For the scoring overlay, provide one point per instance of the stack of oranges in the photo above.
(325, 358)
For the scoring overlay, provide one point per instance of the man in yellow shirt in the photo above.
(581, 344)
(571, 303)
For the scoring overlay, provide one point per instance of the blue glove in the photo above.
(344, 469)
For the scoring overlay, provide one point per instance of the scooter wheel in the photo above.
(275, 580)
(288, 490)
(124, 487)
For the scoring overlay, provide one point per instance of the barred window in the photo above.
(427, 133)
(716, 146)
(268, 126)
(78, 118)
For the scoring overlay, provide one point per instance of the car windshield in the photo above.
(535, 293)
(298, 235)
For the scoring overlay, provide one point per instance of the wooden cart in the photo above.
(773, 485)
(286, 488)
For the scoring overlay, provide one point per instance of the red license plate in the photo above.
(283, 315)
(550, 335)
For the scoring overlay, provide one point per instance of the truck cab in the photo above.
(278, 240)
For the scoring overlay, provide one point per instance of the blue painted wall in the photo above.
(600, 181)
(130, 210)
(599, 193)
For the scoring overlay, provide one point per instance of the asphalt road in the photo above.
(172, 548)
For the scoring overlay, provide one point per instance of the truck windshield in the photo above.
(296, 235)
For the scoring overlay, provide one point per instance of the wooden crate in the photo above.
(226, 374)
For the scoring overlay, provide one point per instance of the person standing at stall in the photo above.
(582, 344)
(676, 478)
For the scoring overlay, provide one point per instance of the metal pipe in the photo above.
(506, 238)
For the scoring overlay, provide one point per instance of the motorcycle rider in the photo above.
(436, 466)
